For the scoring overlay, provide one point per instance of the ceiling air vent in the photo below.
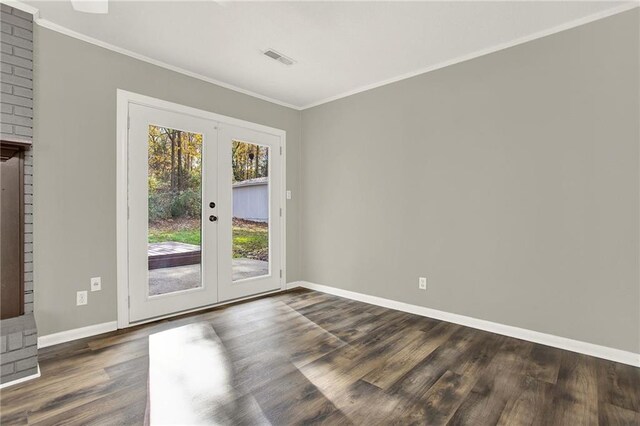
(279, 57)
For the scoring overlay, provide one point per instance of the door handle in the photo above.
(213, 218)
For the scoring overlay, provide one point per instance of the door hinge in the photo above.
(128, 122)
(129, 301)
(280, 211)
(128, 214)
(280, 150)
(280, 273)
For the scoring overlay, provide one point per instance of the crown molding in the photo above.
(478, 53)
(45, 23)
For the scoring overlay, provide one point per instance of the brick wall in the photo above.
(18, 354)
(16, 79)
(18, 348)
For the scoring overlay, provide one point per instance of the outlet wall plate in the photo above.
(422, 283)
(96, 284)
(81, 298)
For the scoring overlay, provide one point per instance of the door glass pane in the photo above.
(175, 206)
(250, 192)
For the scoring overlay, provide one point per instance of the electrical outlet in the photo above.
(288, 195)
(96, 284)
(422, 283)
(81, 298)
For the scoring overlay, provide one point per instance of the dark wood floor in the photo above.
(307, 357)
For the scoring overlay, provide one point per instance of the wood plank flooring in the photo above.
(304, 357)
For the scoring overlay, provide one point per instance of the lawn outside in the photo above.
(250, 239)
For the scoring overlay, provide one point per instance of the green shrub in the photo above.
(171, 205)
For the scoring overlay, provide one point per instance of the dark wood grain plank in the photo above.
(303, 357)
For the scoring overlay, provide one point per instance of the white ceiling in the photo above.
(339, 47)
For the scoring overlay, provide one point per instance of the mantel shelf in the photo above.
(8, 148)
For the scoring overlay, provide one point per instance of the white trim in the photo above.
(94, 330)
(22, 379)
(586, 348)
(45, 23)
(482, 52)
(123, 99)
(283, 218)
(562, 27)
(76, 333)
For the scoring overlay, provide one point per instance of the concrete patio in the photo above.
(177, 278)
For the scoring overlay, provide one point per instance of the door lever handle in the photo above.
(213, 218)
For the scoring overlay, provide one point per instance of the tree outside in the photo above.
(175, 195)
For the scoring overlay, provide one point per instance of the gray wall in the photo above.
(75, 167)
(511, 181)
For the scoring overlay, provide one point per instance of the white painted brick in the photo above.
(7, 369)
(6, 29)
(16, 119)
(6, 108)
(23, 131)
(23, 91)
(6, 48)
(6, 87)
(17, 21)
(22, 72)
(17, 81)
(23, 53)
(14, 341)
(28, 189)
(26, 364)
(6, 68)
(21, 62)
(25, 112)
(22, 14)
(22, 33)
(31, 340)
(17, 100)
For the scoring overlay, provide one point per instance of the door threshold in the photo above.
(203, 308)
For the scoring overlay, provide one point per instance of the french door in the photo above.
(204, 213)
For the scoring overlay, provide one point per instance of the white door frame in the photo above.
(124, 98)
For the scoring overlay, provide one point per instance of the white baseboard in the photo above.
(21, 380)
(76, 333)
(586, 348)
